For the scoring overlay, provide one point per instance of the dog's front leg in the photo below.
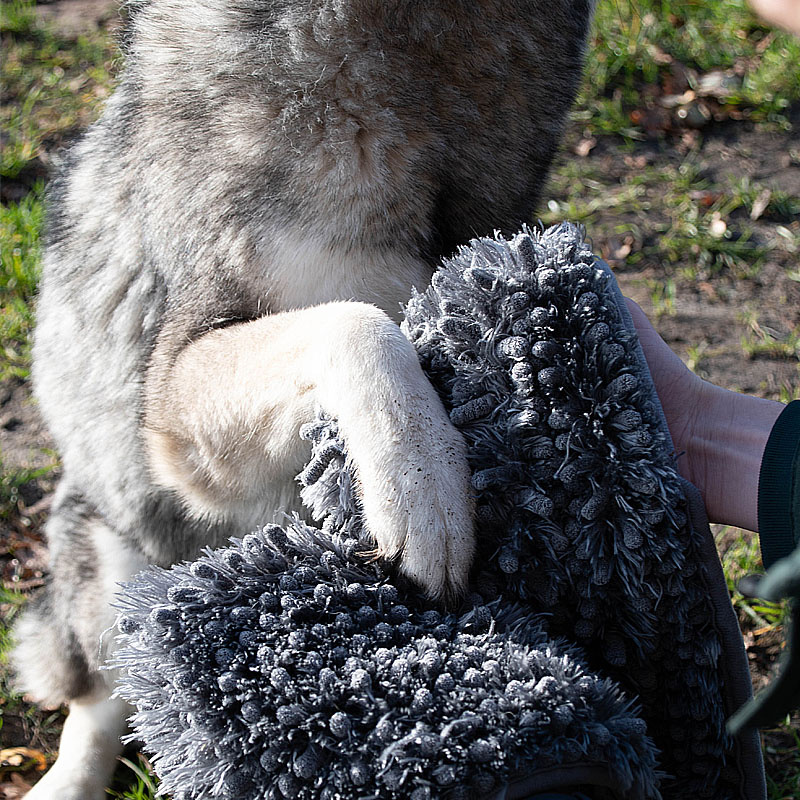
(222, 426)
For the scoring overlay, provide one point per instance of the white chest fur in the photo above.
(307, 273)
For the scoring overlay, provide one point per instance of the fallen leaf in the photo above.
(15, 789)
(635, 162)
(624, 250)
(680, 78)
(760, 204)
(584, 146)
(708, 290)
(704, 197)
(765, 42)
(617, 249)
(688, 141)
(22, 758)
(674, 100)
(654, 120)
(76, 84)
(659, 56)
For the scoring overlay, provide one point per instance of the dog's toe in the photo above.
(422, 517)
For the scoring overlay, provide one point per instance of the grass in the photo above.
(741, 555)
(788, 393)
(134, 780)
(785, 785)
(12, 479)
(662, 297)
(40, 728)
(760, 342)
(51, 90)
(672, 214)
(51, 87)
(763, 621)
(647, 48)
(758, 199)
(20, 226)
(714, 244)
(11, 603)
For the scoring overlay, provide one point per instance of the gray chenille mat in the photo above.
(597, 649)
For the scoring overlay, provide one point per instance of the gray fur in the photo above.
(363, 126)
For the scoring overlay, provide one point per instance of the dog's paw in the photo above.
(417, 502)
(66, 784)
(411, 463)
(87, 753)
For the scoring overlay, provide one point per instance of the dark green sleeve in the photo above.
(779, 531)
(779, 488)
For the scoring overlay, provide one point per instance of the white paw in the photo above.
(417, 502)
(63, 782)
(411, 461)
(87, 753)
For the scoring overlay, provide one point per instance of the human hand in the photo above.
(784, 13)
(719, 435)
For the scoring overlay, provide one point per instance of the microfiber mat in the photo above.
(596, 651)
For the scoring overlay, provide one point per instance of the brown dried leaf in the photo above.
(688, 141)
(22, 759)
(15, 789)
(659, 56)
(705, 197)
(654, 120)
(636, 162)
(624, 249)
(708, 290)
(680, 78)
(674, 100)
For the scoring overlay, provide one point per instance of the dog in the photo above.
(228, 248)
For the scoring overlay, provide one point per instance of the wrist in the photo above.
(724, 448)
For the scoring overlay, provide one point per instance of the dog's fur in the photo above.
(229, 246)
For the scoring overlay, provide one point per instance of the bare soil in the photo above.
(709, 311)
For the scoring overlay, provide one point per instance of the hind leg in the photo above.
(62, 641)
(87, 753)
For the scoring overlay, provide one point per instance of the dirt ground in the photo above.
(708, 313)
(708, 319)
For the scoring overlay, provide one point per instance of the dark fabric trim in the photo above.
(737, 687)
(779, 488)
(562, 778)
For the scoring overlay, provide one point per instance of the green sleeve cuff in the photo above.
(779, 488)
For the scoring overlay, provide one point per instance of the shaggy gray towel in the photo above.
(597, 648)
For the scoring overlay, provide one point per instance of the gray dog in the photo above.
(229, 247)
